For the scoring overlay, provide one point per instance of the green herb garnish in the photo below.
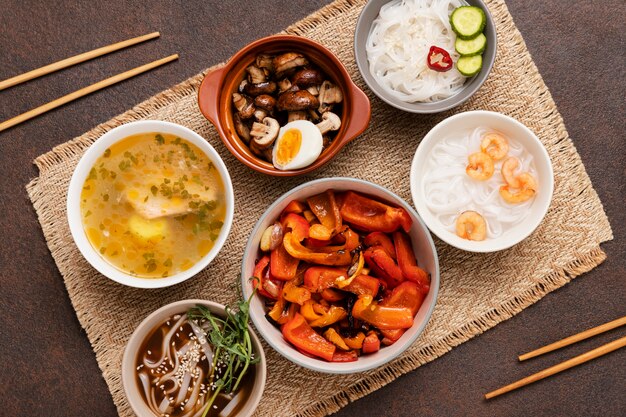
(159, 139)
(230, 337)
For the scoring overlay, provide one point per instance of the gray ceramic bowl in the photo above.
(149, 324)
(370, 13)
(425, 252)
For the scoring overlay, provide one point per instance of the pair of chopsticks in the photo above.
(570, 363)
(86, 90)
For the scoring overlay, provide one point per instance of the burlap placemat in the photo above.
(477, 291)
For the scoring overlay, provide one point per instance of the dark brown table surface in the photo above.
(47, 365)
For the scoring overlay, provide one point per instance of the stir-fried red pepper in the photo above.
(382, 317)
(408, 263)
(345, 279)
(298, 332)
(373, 216)
(439, 59)
(265, 284)
(325, 208)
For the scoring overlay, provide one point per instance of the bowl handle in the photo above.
(208, 95)
(361, 112)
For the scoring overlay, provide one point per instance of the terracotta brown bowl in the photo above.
(215, 98)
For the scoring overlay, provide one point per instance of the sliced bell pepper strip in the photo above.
(383, 266)
(355, 342)
(298, 332)
(298, 251)
(373, 216)
(318, 278)
(331, 295)
(295, 294)
(408, 263)
(333, 337)
(364, 285)
(349, 356)
(282, 265)
(277, 309)
(326, 210)
(407, 295)
(333, 315)
(381, 239)
(391, 336)
(309, 216)
(353, 271)
(260, 276)
(320, 232)
(371, 344)
(298, 225)
(316, 243)
(382, 317)
(308, 312)
(294, 206)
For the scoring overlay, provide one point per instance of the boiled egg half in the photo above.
(298, 145)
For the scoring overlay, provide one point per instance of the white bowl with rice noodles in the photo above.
(171, 367)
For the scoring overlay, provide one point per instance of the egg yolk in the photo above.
(289, 146)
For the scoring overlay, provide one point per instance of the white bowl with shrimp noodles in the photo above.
(482, 181)
(150, 204)
(168, 365)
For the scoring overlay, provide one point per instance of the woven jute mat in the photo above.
(477, 292)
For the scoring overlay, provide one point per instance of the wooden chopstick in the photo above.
(76, 59)
(84, 91)
(574, 338)
(570, 363)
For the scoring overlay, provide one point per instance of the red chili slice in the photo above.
(439, 59)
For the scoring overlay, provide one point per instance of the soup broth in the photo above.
(153, 205)
(173, 367)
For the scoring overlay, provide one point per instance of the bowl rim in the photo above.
(86, 162)
(146, 325)
(357, 96)
(319, 365)
(404, 106)
(468, 245)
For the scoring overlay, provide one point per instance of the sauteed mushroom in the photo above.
(243, 105)
(330, 121)
(255, 74)
(265, 61)
(288, 61)
(265, 133)
(296, 115)
(297, 100)
(242, 130)
(264, 87)
(329, 94)
(307, 77)
(265, 102)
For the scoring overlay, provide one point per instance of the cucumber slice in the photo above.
(471, 47)
(470, 65)
(468, 21)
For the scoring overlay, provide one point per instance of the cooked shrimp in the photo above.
(526, 190)
(509, 166)
(480, 166)
(471, 225)
(495, 145)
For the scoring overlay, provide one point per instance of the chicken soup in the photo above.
(153, 205)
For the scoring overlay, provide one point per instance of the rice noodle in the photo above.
(449, 191)
(165, 346)
(398, 44)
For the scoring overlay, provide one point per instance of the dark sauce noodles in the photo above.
(171, 358)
